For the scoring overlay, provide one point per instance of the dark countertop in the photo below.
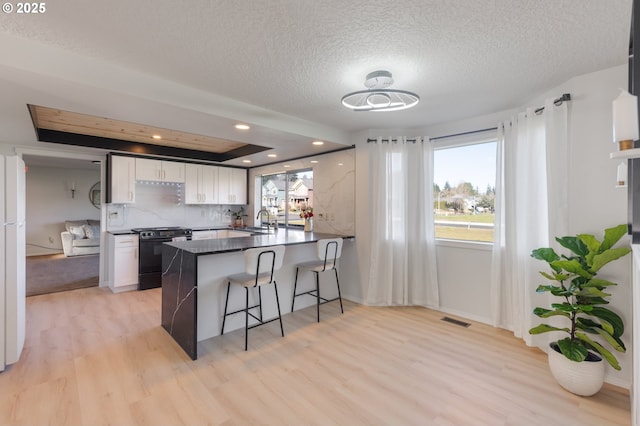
(122, 232)
(224, 245)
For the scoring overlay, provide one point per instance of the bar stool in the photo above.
(260, 265)
(329, 251)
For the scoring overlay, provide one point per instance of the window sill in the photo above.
(469, 245)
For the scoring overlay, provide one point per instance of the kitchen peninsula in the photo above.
(194, 281)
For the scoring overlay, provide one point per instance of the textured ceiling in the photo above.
(299, 57)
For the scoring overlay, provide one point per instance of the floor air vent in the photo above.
(456, 322)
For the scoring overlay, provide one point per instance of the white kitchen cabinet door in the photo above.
(148, 170)
(123, 262)
(238, 186)
(123, 180)
(232, 186)
(200, 185)
(173, 171)
(159, 171)
(224, 177)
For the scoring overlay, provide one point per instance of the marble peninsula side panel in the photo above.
(180, 297)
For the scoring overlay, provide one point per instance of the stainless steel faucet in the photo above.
(264, 210)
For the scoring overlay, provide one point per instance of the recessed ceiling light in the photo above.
(340, 164)
(240, 126)
(314, 161)
(317, 143)
(272, 155)
(246, 161)
(286, 166)
(157, 137)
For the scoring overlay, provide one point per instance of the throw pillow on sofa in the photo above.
(77, 231)
(91, 231)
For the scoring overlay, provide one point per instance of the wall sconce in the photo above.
(625, 120)
(72, 188)
(622, 174)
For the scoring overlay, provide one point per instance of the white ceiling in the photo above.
(284, 65)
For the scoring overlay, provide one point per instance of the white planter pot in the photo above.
(581, 378)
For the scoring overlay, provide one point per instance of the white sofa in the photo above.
(81, 237)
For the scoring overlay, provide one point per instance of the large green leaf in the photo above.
(600, 349)
(546, 313)
(591, 301)
(555, 277)
(612, 236)
(593, 292)
(573, 349)
(572, 266)
(564, 307)
(547, 254)
(593, 245)
(607, 256)
(610, 317)
(598, 282)
(574, 244)
(615, 343)
(544, 328)
(555, 290)
(589, 326)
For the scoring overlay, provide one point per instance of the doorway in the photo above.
(64, 221)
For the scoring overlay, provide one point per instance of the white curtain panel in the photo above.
(531, 209)
(403, 261)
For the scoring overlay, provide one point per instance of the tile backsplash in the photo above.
(161, 204)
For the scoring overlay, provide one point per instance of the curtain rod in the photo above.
(556, 102)
(438, 137)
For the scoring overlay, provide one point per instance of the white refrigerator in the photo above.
(12, 259)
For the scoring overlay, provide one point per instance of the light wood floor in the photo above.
(93, 358)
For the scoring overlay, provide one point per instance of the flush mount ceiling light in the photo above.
(379, 97)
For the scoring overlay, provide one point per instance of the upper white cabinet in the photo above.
(122, 179)
(159, 171)
(232, 186)
(201, 184)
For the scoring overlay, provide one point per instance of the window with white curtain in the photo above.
(464, 179)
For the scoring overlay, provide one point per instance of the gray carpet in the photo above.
(55, 272)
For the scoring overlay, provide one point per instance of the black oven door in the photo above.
(150, 256)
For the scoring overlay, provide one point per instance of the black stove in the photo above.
(150, 258)
(162, 233)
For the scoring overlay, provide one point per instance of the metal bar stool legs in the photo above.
(329, 251)
(260, 266)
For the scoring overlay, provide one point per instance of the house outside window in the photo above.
(285, 195)
(464, 190)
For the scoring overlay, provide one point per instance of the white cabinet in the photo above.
(122, 173)
(229, 233)
(204, 235)
(232, 186)
(201, 184)
(159, 171)
(123, 262)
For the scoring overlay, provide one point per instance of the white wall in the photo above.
(595, 203)
(49, 204)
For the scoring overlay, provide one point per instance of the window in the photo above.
(285, 195)
(464, 191)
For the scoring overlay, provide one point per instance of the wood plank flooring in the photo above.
(94, 358)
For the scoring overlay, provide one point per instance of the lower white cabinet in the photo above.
(204, 235)
(220, 233)
(123, 262)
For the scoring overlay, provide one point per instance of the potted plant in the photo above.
(576, 360)
(238, 217)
